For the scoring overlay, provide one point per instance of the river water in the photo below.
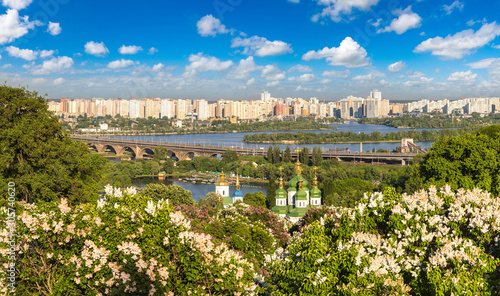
(233, 140)
(200, 190)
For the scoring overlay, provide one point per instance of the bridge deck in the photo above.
(241, 151)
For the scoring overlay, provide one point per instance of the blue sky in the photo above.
(235, 49)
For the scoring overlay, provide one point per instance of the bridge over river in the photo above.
(188, 151)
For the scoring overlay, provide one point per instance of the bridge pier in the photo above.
(403, 162)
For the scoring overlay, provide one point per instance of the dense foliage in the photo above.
(467, 161)
(176, 195)
(435, 121)
(429, 243)
(126, 245)
(346, 137)
(252, 231)
(38, 156)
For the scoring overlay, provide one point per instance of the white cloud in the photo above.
(6, 66)
(303, 78)
(16, 4)
(406, 20)
(299, 68)
(418, 82)
(336, 8)
(483, 64)
(54, 29)
(244, 68)
(273, 83)
(467, 76)
(414, 74)
(294, 1)
(261, 47)
(455, 5)
(201, 63)
(12, 26)
(251, 81)
(96, 48)
(210, 26)
(158, 67)
(25, 54)
(348, 54)
(325, 81)
(122, 63)
(152, 50)
(272, 73)
(46, 53)
(460, 44)
(396, 67)
(337, 74)
(132, 49)
(58, 81)
(54, 65)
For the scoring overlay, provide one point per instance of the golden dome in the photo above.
(222, 180)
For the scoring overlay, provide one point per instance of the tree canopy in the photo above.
(37, 155)
(176, 195)
(467, 161)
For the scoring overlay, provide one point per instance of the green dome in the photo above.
(301, 195)
(281, 193)
(315, 192)
(294, 183)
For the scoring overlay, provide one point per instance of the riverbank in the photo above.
(341, 142)
(200, 177)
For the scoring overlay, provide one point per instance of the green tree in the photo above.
(270, 154)
(168, 166)
(256, 199)
(161, 153)
(467, 161)
(288, 155)
(212, 199)
(230, 156)
(304, 156)
(176, 195)
(271, 194)
(276, 154)
(37, 155)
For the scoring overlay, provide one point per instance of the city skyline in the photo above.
(236, 49)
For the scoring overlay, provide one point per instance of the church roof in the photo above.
(294, 183)
(222, 180)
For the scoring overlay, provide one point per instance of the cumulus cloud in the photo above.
(158, 67)
(335, 9)
(455, 5)
(122, 63)
(272, 83)
(16, 4)
(303, 78)
(461, 44)
(483, 64)
(152, 50)
(396, 67)
(272, 73)
(46, 53)
(96, 48)
(25, 54)
(418, 82)
(406, 20)
(244, 68)
(58, 81)
(467, 76)
(54, 29)
(131, 49)
(54, 65)
(336, 74)
(12, 26)
(261, 47)
(348, 54)
(201, 63)
(210, 26)
(300, 68)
